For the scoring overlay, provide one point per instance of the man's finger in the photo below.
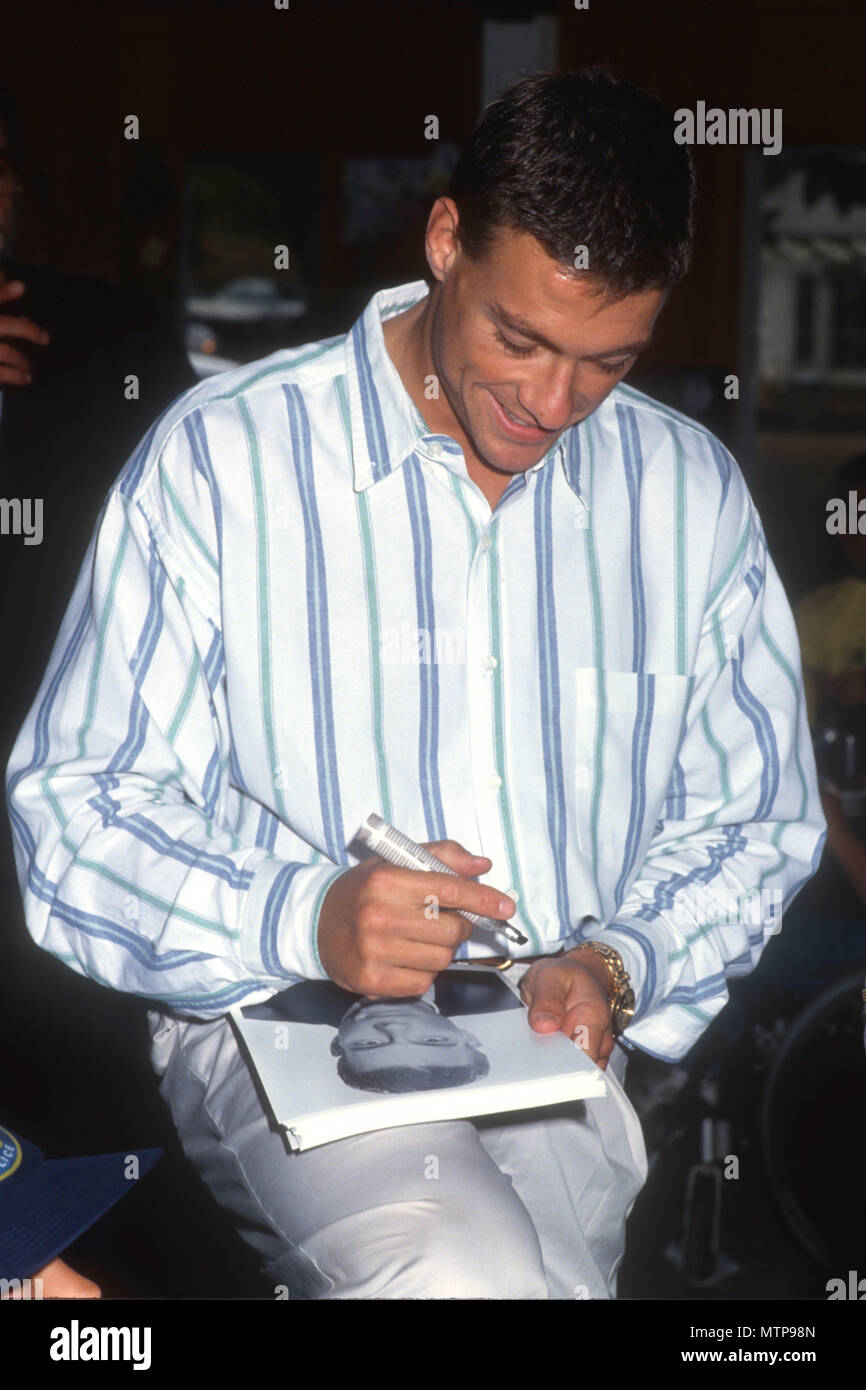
(11, 290)
(458, 892)
(14, 376)
(11, 357)
(589, 1036)
(432, 893)
(426, 955)
(11, 327)
(428, 923)
(550, 1015)
(398, 982)
(547, 1009)
(456, 856)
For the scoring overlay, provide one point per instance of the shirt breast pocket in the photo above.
(628, 730)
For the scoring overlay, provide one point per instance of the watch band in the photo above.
(620, 992)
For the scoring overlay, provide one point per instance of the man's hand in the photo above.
(569, 994)
(60, 1280)
(15, 367)
(388, 931)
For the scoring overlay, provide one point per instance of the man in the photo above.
(604, 696)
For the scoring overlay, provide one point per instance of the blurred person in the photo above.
(67, 345)
(627, 723)
(831, 623)
(831, 620)
(47, 1204)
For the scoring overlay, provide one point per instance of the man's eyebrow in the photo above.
(518, 324)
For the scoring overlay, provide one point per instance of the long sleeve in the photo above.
(299, 608)
(742, 826)
(118, 785)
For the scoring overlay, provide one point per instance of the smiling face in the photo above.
(522, 348)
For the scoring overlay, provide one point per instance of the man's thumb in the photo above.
(546, 1011)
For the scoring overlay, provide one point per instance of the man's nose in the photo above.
(556, 397)
(392, 1028)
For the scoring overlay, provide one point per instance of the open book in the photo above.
(334, 1063)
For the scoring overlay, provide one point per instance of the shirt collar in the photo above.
(386, 426)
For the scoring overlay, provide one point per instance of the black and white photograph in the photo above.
(322, 1052)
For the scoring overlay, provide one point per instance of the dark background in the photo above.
(306, 90)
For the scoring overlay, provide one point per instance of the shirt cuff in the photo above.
(640, 957)
(280, 931)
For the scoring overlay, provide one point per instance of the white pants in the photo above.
(524, 1205)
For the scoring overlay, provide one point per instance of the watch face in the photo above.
(623, 1009)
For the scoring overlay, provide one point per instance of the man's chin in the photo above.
(512, 460)
(385, 1004)
(506, 456)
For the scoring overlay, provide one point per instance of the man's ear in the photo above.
(441, 244)
(336, 1049)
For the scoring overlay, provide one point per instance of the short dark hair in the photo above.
(401, 1080)
(581, 159)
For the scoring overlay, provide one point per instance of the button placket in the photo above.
(486, 779)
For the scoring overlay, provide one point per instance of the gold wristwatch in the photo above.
(620, 992)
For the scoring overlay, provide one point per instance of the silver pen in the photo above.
(404, 853)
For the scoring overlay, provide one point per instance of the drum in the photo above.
(813, 1126)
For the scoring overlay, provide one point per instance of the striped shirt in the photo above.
(298, 608)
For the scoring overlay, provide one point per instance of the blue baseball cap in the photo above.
(45, 1204)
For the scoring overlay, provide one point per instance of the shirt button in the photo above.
(494, 781)
(490, 663)
(435, 450)
(485, 542)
